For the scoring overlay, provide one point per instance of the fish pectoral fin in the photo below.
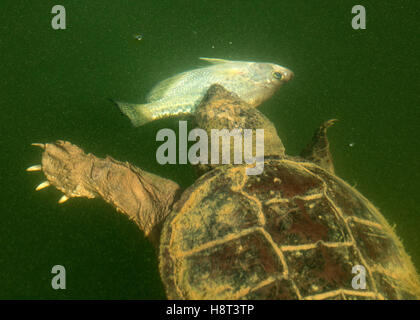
(215, 60)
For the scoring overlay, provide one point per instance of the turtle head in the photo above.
(225, 118)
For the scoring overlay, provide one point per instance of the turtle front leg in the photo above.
(146, 198)
(318, 150)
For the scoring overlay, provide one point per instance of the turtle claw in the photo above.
(329, 123)
(63, 199)
(36, 167)
(41, 145)
(42, 185)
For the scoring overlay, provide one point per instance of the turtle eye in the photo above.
(277, 75)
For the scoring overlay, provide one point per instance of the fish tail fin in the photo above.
(139, 114)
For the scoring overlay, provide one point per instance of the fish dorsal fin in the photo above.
(159, 90)
(215, 60)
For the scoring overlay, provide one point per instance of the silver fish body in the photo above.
(253, 82)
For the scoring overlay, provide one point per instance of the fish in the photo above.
(253, 82)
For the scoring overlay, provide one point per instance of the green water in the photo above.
(54, 85)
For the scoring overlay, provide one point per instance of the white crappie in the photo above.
(253, 82)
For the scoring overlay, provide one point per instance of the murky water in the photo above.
(55, 85)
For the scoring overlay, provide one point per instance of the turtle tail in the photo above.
(139, 114)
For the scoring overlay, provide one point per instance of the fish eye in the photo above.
(277, 75)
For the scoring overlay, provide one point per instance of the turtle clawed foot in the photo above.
(318, 150)
(45, 184)
(328, 123)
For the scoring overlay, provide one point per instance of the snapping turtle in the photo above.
(296, 231)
